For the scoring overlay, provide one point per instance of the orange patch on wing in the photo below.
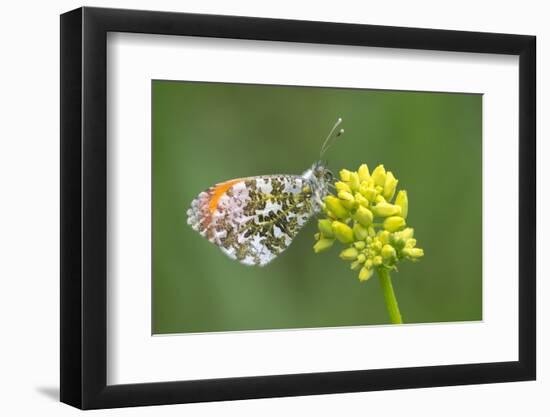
(218, 191)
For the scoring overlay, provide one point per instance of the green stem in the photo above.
(389, 296)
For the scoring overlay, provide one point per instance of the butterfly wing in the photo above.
(253, 219)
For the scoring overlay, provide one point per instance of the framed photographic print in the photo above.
(257, 208)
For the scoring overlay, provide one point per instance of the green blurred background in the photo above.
(204, 133)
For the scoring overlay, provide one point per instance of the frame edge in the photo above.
(70, 216)
(527, 272)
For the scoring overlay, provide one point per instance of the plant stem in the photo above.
(389, 296)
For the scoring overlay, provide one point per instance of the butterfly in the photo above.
(254, 219)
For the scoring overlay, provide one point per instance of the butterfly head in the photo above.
(321, 172)
(319, 178)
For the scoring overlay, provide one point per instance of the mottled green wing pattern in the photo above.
(253, 219)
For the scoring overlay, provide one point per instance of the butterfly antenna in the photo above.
(331, 136)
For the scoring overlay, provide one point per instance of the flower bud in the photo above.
(389, 186)
(386, 210)
(384, 236)
(402, 201)
(361, 200)
(342, 232)
(388, 252)
(344, 195)
(413, 252)
(342, 186)
(368, 192)
(355, 264)
(379, 198)
(325, 227)
(363, 172)
(364, 216)
(379, 175)
(344, 175)
(347, 199)
(407, 233)
(394, 223)
(322, 245)
(361, 258)
(360, 232)
(349, 254)
(377, 261)
(365, 274)
(335, 206)
(360, 244)
(411, 243)
(376, 245)
(354, 182)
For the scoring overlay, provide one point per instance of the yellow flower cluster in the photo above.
(363, 217)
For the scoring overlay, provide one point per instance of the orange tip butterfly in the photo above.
(254, 219)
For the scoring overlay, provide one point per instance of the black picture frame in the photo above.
(84, 207)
